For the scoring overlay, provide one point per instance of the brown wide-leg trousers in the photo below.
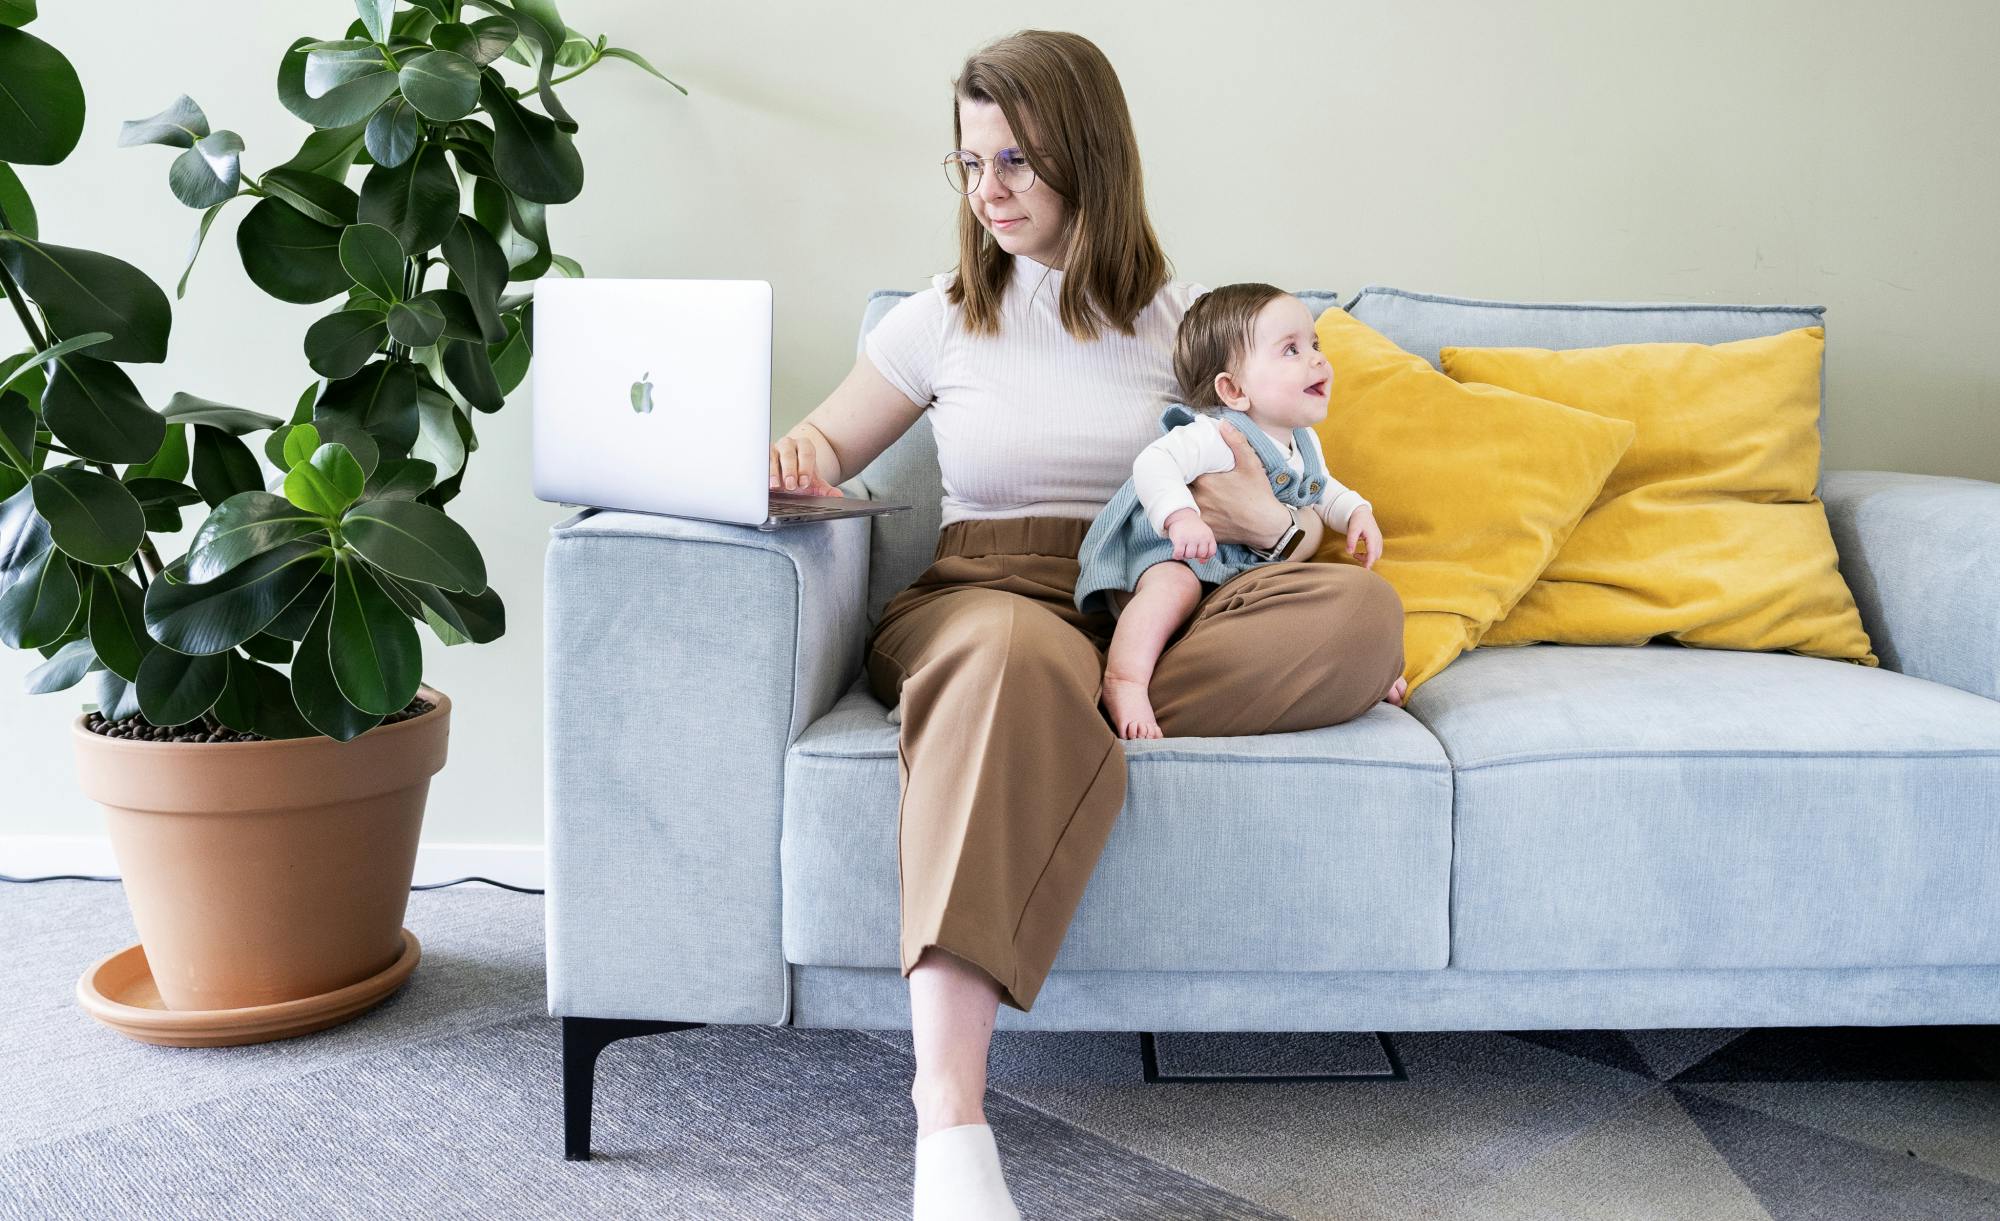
(1010, 773)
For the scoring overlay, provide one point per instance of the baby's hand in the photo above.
(1193, 540)
(1361, 525)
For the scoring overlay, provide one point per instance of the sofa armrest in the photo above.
(681, 660)
(1922, 555)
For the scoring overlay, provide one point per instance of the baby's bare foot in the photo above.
(1130, 708)
(1396, 691)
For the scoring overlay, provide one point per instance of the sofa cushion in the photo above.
(1708, 530)
(903, 543)
(1424, 323)
(1476, 487)
(1201, 871)
(1661, 806)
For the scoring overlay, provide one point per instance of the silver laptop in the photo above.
(655, 396)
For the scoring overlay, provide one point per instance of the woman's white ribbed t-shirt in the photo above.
(1032, 421)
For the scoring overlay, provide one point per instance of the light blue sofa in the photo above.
(1547, 836)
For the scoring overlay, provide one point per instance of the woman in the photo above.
(1045, 362)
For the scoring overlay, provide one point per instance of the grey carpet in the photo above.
(445, 1101)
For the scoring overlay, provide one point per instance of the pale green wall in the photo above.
(1841, 154)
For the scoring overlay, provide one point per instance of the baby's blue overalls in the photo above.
(1122, 544)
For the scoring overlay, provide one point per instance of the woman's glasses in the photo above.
(962, 170)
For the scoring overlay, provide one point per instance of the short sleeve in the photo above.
(904, 346)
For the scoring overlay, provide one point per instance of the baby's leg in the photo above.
(1167, 592)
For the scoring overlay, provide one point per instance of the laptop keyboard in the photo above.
(781, 508)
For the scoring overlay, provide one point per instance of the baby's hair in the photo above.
(1216, 331)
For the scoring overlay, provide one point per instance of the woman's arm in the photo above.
(1238, 504)
(862, 417)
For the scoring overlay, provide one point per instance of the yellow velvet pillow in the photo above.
(1708, 531)
(1475, 487)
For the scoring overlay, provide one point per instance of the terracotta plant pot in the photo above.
(264, 872)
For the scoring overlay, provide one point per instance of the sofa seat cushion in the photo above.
(1663, 806)
(1198, 874)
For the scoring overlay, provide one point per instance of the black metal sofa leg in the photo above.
(582, 1039)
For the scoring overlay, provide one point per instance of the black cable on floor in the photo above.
(84, 877)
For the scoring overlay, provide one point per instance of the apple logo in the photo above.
(642, 393)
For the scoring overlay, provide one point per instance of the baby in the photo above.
(1246, 353)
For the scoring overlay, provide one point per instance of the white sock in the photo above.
(959, 1177)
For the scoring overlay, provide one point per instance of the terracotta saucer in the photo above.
(118, 990)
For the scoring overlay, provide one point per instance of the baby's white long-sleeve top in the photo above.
(1162, 471)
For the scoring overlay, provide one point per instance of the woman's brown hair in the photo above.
(1218, 328)
(1068, 114)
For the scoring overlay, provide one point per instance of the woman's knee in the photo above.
(1010, 636)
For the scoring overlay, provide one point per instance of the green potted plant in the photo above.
(266, 821)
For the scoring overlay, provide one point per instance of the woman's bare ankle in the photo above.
(938, 1109)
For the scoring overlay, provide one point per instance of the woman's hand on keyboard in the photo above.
(797, 460)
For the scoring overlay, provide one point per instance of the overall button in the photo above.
(1284, 479)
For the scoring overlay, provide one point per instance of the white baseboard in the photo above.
(34, 856)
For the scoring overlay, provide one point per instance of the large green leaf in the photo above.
(258, 699)
(292, 622)
(519, 225)
(194, 248)
(460, 322)
(539, 21)
(17, 435)
(64, 670)
(41, 100)
(511, 356)
(170, 461)
(417, 200)
(393, 132)
(26, 366)
(93, 408)
(373, 258)
(482, 42)
(480, 270)
(118, 622)
(329, 65)
(415, 541)
(376, 15)
(343, 341)
(358, 441)
(14, 201)
(416, 324)
(17, 12)
(376, 656)
(325, 484)
(444, 85)
(91, 516)
(470, 368)
(330, 152)
(40, 603)
(401, 478)
(290, 255)
(82, 290)
(479, 617)
(24, 536)
(210, 616)
(341, 106)
(175, 687)
(223, 465)
(179, 126)
(186, 408)
(535, 158)
(246, 525)
(162, 500)
(380, 400)
(208, 173)
(320, 198)
(116, 698)
(316, 693)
